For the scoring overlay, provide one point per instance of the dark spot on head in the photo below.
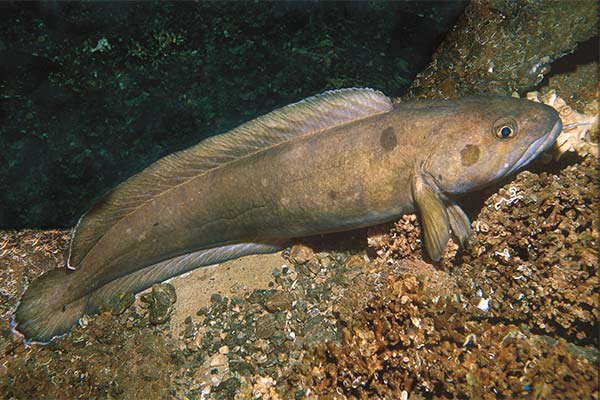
(469, 155)
(332, 195)
(388, 139)
(155, 224)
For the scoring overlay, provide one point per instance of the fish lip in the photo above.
(537, 147)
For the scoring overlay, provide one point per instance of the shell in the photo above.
(575, 136)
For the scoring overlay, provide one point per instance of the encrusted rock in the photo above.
(160, 302)
(267, 325)
(119, 303)
(356, 261)
(280, 301)
(300, 254)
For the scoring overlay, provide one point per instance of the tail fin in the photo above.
(52, 305)
(45, 310)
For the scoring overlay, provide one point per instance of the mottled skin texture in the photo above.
(413, 158)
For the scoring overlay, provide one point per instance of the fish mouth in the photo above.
(537, 147)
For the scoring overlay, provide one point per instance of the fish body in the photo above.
(338, 161)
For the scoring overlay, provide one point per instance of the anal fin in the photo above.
(146, 277)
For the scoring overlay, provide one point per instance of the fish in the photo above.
(337, 161)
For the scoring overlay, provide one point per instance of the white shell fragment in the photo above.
(484, 304)
(575, 136)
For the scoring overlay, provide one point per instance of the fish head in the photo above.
(488, 138)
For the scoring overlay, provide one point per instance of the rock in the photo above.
(227, 389)
(119, 303)
(280, 301)
(316, 331)
(160, 302)
(190, 328)
(356, 261)
(300, 254)
(260, 296)
(267, 325)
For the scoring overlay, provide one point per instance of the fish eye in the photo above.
(506, 132)
(505, 129)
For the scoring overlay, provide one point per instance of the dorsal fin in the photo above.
(314, 114)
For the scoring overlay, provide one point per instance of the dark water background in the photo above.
(91, 93)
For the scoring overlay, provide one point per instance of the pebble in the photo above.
(160, 302)
(190, 328)
(356, 261)
(267, 325)
(280, 301)
(300, 254)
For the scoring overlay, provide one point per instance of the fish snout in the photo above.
(538, 146)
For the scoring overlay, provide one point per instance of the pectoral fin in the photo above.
(435, 222)
(460, 224)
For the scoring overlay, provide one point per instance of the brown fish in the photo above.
(337, 161)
